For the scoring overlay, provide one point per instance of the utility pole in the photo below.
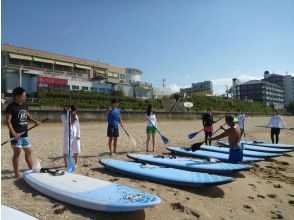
(163, 81)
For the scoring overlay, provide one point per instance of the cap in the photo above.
(231, 118)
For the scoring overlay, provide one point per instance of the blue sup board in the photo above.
(90, 193)
(260, 143)
(259, 148)
(248, 153)
(164, 175)
(209, 154)
(189, 164)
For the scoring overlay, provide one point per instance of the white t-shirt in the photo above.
(74, 127)
(152, 119)
(276, 121)
(241, 120)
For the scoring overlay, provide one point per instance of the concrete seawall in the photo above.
(53, 113)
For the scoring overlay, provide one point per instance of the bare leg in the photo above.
(114, 144)
(110, 145)
(28, 157)
(15, 161)
(153, 141)
(76, 156)
(65, 160)
(147, 142)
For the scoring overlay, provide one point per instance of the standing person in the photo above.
(207, 121)
(241, 121)
(74, 134)
(16, 121)
(113, 118)
(274, 123)
(151, 126)
(234, 136)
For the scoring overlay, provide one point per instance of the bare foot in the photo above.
(18, 175)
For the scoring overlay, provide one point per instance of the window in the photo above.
(85, 88)
(74, 87)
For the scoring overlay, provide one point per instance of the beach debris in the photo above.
(60, 211)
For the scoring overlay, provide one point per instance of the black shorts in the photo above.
(275, 130)
(112, 131)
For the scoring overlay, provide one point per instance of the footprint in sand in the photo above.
(261, 196)
(250, 197)
(272, 195)
(114, 179)
(291, 195)
(276, 215)
(291, 202)
(276, 185)
(248, 208)
(179, 207)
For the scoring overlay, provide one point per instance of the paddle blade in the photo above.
(192, 135)
(133, 141)
(70, 164)
(164, 139)
(196, 146)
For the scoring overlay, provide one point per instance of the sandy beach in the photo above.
(265, 192)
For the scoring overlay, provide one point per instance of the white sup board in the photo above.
(8, 213)
(90, 193)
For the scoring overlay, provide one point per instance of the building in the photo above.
(35, 70)
(205, 86)
(235, 82)
(261, 91)
(286, 82)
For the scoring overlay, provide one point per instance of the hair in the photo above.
(148, 112)
(230, 118)
(114, 101)
(238, 110)
(73, 108)
(208, 109)
(18, 91)
(275, 110)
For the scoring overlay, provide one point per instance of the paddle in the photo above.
(127, 133)
(262, 126)
(70, 163)
(163, 138)
(193, 134)
(197, 145)
(24, 132)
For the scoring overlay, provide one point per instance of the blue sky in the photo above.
(183, 41)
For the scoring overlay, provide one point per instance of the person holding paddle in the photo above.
(207, 121)
(274, 123)
(74, 134)
(241, 121)
(16, 120)
(113, 118)
(151, 126)
(234, 136)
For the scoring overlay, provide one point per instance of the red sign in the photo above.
(54, 81)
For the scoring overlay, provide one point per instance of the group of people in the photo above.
(17, 116)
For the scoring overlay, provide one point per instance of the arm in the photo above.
(33, 120)
(78, 128)
(9, 125)
(269, 123)
(224, 134)
(283, 122)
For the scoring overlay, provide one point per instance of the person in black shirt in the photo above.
(207, 121)
(16, 121)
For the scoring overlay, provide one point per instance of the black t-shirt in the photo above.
(19, 117)
(207, 120)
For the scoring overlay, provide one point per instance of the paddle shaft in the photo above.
(262, 126)
(213, 123)
(23, 132)
(154, 127)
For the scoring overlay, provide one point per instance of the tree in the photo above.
(290, 108)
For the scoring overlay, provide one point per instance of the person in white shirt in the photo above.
(275, 123)
(241, 121)
(151, 126)
(74, 134)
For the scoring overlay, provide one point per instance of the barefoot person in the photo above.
(275, 125)
(16, 121)
(234, 136)
(113, 118)
(74, 134)
(207, 121)
(241, 121)
(151, 127)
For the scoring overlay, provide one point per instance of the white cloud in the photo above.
(219, 85)
(66, 32)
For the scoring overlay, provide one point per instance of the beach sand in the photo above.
(265, 192)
